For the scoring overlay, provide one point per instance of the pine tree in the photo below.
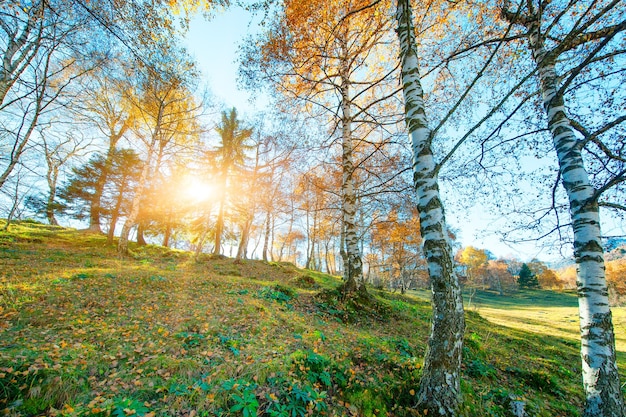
(526, 278)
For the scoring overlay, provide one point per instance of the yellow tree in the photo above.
(166, 116)
(616, 276)
(499, 276)
(547, 277)
(111, 113)
(474, 260)
(328, 60)
(397, 248)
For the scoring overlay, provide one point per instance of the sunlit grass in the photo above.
(82, 329)
(542, 312)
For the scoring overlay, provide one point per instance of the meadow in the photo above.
(84, 332)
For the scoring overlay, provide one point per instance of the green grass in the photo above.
(85, 332)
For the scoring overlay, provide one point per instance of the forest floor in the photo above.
(85, 332)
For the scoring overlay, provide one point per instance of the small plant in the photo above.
(128, 406)
(245, 402)
(230, 342)
(190, 339)
(538, 380)
(81, 276)
(403, 347)
(478, 368)
(314, 367)
(294, 399)
(278, 293)
(242, 396)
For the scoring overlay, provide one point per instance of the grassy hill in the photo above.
(85, 332)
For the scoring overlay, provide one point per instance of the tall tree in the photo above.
(527, 278)
(397, 248)
(325, 58)
(248, 189)
(166, 117)
(231, 153)
(58, 153)
(38, 63)
(125, 167)
(77, 194)
(13, 191)
(585, 30)
(473, 259)
(106, 106)
(440, 388)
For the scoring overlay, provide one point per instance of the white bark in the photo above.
(600, 377)
(353, 271)
(439, 391)
(131, 219)
(22, 46)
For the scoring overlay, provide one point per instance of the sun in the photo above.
(197, 190)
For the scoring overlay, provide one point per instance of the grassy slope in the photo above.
(83, 332)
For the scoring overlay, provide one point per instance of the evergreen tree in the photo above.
(232, 154)
(79, 194)
(526, 278)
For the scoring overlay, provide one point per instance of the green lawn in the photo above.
(84, 332)
(540, 312)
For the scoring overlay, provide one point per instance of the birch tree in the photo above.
(37, 65)
(440, 389)
(58, 153)
(324, 58)
(584, 32)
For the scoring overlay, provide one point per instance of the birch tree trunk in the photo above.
(353, 270)
(439, 391)
(219, 223)
(219, 228)
(19, 144)
(599, 368)
(312, 240)
(52, 177)
(242, 250)
(266, 237)
(22, 47)
(167, 234)
(288, 234)
(115, 214)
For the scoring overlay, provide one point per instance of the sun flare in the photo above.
(198, 191)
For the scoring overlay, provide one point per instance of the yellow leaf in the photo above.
(412, 392)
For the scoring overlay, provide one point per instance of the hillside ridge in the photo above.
(85, 332)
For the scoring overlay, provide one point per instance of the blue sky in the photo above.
(214, 45)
